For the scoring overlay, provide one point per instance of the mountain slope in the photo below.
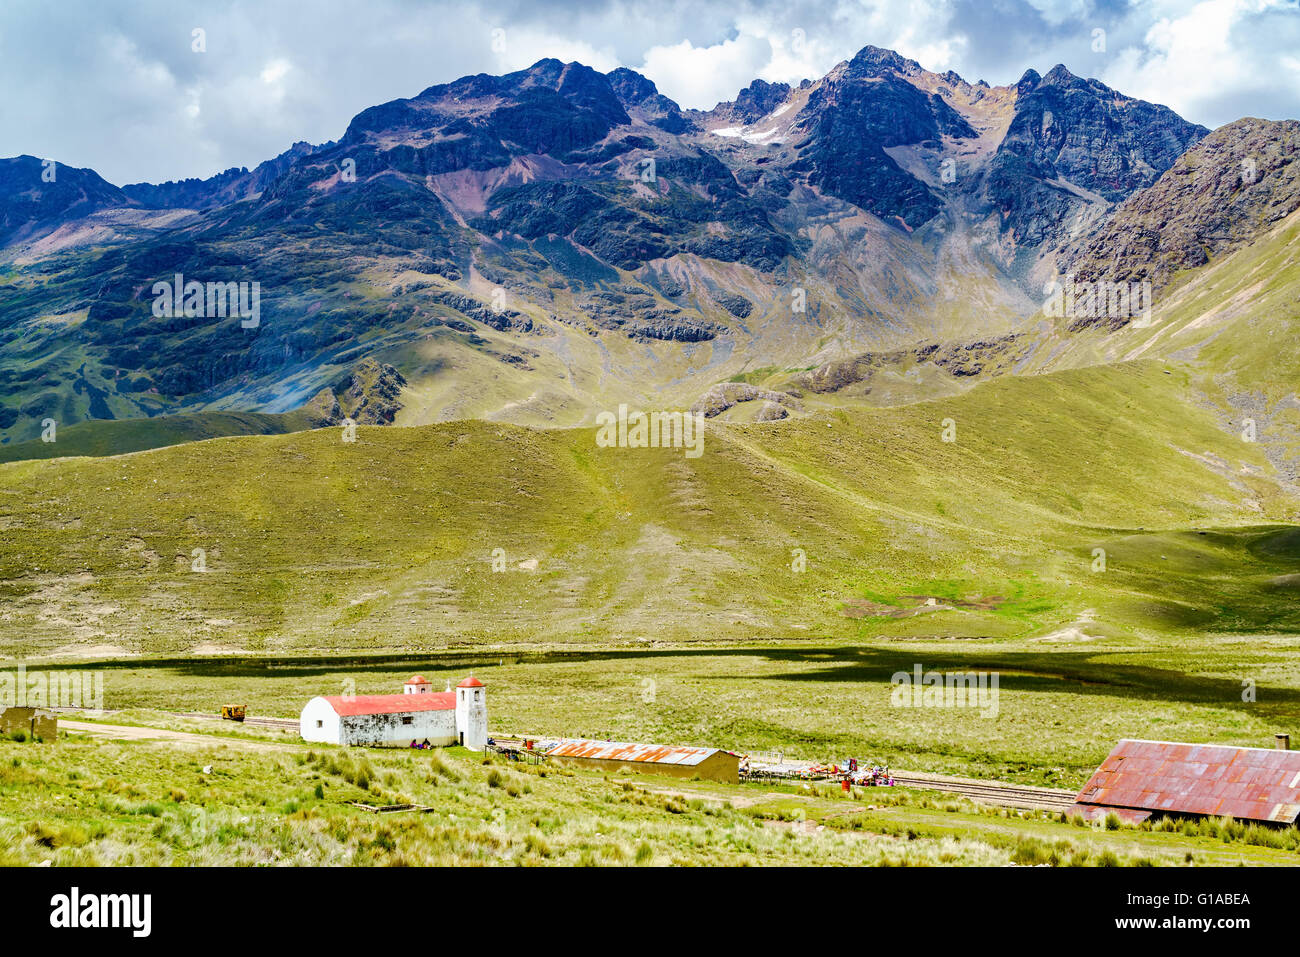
(37, 195)
(229, 187)
(539, 246)
(1073, 146)
(309, 541)
(853, 116)
(1233, 325)
(1238, 182)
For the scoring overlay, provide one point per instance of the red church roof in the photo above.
(417, 680)
(470, 682)
(392, 703)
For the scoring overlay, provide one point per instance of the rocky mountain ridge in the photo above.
(539, 245)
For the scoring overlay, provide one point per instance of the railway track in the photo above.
(991, 792)
(288, 723)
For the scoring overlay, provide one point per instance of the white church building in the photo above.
(418, 715)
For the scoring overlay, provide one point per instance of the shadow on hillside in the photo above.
(1078, 673)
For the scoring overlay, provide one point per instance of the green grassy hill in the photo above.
(309, 542)
(119, 436)
(1234, 327)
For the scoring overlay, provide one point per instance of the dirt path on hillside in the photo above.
(124, 732)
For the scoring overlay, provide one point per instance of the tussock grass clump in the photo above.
(443, 769)
(1229, 831)
(535, 845)
(52, 836)
(357, 771)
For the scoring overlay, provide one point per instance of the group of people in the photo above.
(875, 776)
(849, 772)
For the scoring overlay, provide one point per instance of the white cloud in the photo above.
(1187, 58)
(788, 43)
(700, 77)
(275, 71)
(520, 47)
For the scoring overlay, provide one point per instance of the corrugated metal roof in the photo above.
(615, 751)
(1250, 784)
(392, 703)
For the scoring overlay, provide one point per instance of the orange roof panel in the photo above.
(616, 751)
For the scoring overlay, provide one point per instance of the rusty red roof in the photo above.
(391, 703)
(470, 682)
(417, 680)
(615, 751)
(1250, 784)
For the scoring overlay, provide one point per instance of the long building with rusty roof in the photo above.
(709, 764)
(1142, 778)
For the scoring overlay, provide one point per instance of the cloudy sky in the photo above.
(120, 87)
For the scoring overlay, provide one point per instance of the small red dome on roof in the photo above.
(417, 680)
(470, 682)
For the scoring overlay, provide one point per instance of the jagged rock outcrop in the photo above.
(499, 319)
(754, 102)
(771, 412)
(228, 187)
(369, 394)
(734, 303)
(551, 108)
(1241, 179)
(861, 108)
(642, 99)
(323, 408)
(725, 395)
(960, 360)
(1070, 135)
